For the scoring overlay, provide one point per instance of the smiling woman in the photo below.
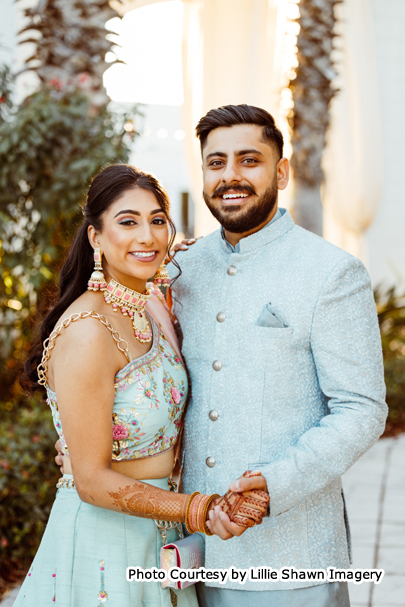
(107, 442)
(117, 389)
(134, 238)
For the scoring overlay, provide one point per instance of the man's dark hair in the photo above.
(230, 115)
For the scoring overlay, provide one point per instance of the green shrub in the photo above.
(391, 316)
(27, 483)
(50, 147)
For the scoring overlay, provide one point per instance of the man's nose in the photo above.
(231, 173)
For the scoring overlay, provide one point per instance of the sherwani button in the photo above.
(221, 316)
(217, 365)
(232, 270)
(210, 461)
(213, 415)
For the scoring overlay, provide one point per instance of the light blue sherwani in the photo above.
(301, 403)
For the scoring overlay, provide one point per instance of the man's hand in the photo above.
(249, 482)
(59, 457)
(241, 511)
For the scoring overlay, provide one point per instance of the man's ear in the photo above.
(283, 173)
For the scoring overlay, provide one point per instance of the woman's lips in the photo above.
(145, 259)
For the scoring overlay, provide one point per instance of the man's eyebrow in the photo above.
(250, 151)
(238, 153)
(132, 212)
(220, 154)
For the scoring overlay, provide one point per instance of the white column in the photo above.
(232, 54)
(353, 160)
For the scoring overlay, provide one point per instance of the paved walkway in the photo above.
(375, 495)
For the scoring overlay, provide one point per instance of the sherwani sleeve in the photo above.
(346, 348)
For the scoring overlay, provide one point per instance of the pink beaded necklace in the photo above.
(131, 304)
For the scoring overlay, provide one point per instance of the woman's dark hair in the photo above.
(230, 115)
(106, 187)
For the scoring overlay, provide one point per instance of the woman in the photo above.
(113, 357)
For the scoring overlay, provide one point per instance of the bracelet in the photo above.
(207, 505)
(196, 512)
(200, 513)
(192, 496)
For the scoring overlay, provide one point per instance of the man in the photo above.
(283, 348)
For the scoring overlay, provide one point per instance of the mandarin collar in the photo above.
(271, 231)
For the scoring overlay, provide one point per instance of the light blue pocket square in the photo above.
(269, 317)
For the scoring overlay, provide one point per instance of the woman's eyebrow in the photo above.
(132, 212)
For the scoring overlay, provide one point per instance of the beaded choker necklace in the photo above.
(131, 304)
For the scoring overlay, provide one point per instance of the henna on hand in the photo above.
(246, 508)
(146, 501)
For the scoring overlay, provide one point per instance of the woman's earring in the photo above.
(97, 280)
(161, 277)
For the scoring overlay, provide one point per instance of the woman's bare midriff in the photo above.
(158, 466)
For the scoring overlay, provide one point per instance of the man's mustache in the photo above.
(244, 189)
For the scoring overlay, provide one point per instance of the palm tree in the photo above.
(312, 92)
(72, 43)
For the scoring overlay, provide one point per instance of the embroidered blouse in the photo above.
(150, 395)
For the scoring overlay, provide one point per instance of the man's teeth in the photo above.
(150, 254)
(226, 196)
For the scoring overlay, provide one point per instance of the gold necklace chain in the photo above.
(49, 343)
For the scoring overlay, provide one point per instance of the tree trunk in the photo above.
(312, 93)
(72, 44)
(308, 207)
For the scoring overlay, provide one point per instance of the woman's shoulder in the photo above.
(85, 320)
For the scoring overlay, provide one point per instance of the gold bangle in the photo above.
(200, 513)
(193, 512)
(192, 496)
(207, 505)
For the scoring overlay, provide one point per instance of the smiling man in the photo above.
(241, 181)
(282, 344)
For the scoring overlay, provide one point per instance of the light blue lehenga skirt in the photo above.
(67, 569)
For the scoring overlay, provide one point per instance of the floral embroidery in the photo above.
(102, 595)
(54, 586)
(141, 426)
(51, 401)
(120, 433)
(175, 395)
(170, 389)
(171, 356)
(148, 389)
(125, 432)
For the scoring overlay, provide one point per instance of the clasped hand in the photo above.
(242, 506)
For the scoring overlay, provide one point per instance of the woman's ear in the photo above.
(93, 237)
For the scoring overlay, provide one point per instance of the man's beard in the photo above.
(237, 220)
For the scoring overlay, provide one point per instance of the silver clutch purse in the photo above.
(188, 553)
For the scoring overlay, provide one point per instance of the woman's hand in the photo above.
(59, 457)
(243, 506)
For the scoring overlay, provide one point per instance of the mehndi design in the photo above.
(247, 508)
(140, 499)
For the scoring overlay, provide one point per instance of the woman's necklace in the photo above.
(131, 304)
